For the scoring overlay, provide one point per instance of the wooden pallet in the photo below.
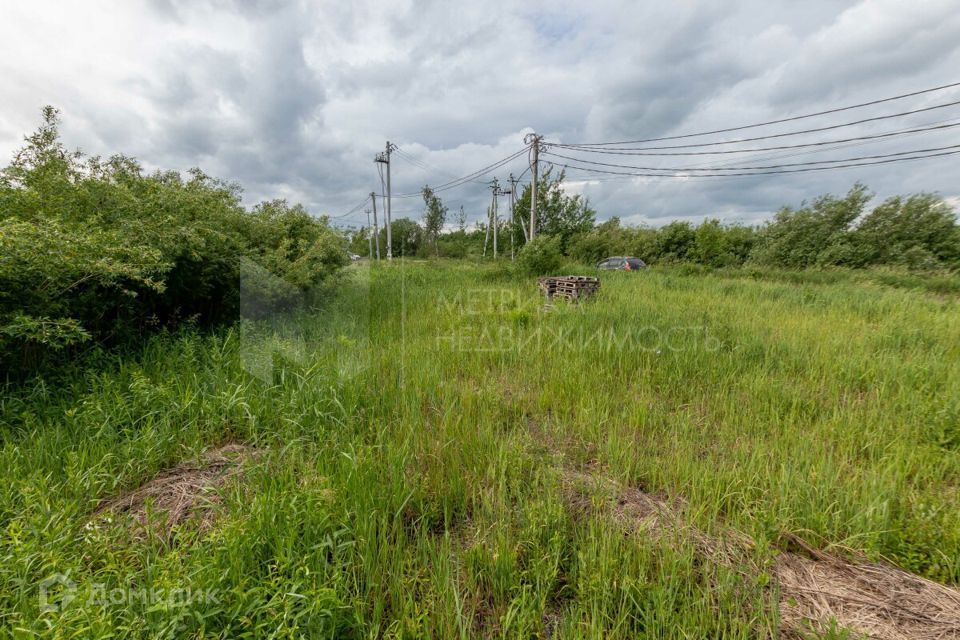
(572, 288)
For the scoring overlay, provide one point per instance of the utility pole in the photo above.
(534, 141)
(369, 233)
(495, 187)
(513, 200)
(390, 148)
(512, 192)
(384, 158)
(486, 233)
(376, 231)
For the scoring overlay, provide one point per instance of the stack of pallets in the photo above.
(570, 287)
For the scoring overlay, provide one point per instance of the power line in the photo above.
(758, 173)
(467, 178)
(584, 147)
(426, 166)
(779, 155)
(353, 210)
(629, 152)
(523, 173)
(755, 167)
(479, 173)
(781, 120)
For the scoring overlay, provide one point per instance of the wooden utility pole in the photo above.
(384, 158)
(486, 233)
(376, 231)
(534, 141)
(512, 192)
(369, 233)
(390, 148)
(495, 187)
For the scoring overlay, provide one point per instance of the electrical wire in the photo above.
(583, 147)
(779, 155)
(523, 173)
(782, 120)
(354, 210)
(628, 152)
(755, 167)
(467, 178)
(758, 173)
(425, 166)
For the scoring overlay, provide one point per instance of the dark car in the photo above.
(621, 263)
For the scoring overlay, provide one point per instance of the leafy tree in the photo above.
(558, 214)
(740, 242)
(919, 231)
(407, 237)
(710, 244)
(434, 216)
(675, 241)
(606, 239)
(719, 245)
(812, 235)
(291, 244)
(358, 241)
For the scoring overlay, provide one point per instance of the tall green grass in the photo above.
(418, 492)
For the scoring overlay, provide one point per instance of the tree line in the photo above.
(917, 232)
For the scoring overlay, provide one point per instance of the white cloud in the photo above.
(293, 99)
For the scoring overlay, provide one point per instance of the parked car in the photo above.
(621, 263)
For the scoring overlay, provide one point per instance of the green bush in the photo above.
(541, 256)
(918, 232)
(94, 250)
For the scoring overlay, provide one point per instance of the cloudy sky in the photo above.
(293, 99)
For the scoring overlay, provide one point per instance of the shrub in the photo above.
(541, 256)
(95, 250)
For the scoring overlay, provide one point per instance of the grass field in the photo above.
(439, 457)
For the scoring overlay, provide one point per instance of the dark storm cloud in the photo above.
(292, 99)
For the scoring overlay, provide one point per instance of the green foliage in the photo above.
(455, 244)
(434, 216)
(407, 237)
(919, 231)
(606, 239)
(99, 250)
(541, 256)
(290, 243)
(359, 241)
(558, 214)
(812, 235)
(675, 241)
(716, 245)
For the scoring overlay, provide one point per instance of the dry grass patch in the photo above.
(878, 600)
(178, 494)
(815, 588)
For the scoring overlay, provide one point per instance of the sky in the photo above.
(293, 99)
